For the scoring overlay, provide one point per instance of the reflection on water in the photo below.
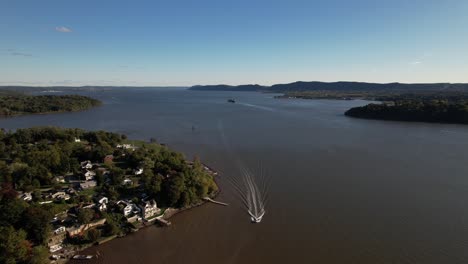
(342, 190)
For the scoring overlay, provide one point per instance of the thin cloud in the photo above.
(63, 29)
(416, 62)
(21, 54)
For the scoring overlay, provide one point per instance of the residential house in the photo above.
(55, 248)
(59, 179)
(126, 146)
(149, 209)
(101, 199)
(101, 203)
(27, 196)
(129, 208)
(87, 185)
(86, 165)
(59, 230)
(77, 140)
(60, 196)
(89, 175)
(56, 239)
(138, 171)
(127, 181)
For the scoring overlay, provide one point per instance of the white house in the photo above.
(125, 146)
(102, 200)
(88, 184)
(149, 209)
(129, 208)
(55, 248)
(77, 140)
(89, 175)
(59, 230)
(101, 203)
(86, 164)
(59, 179)
(101, 207)
(60, 196)
(138, 171)
(127, 181)
(26, 196)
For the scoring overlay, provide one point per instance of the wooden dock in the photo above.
(163, 221)
(208, 199)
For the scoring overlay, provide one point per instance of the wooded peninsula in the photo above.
(65, 189)
(12, 104)
(419, 110)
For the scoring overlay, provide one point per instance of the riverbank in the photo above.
(16, 105)
(433, 111)
(162, 219)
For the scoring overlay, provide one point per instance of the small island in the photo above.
(419, 109)
(12, 104)
(63, 190)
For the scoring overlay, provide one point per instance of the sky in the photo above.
(183, 43)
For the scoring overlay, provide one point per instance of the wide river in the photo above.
(342, 190)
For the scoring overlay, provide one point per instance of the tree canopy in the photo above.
(436, 110)
(25, 104)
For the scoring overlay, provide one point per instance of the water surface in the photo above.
(343, 190)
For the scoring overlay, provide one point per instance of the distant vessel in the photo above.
(231, 100)
(82, 257)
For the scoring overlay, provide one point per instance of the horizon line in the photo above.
(219, 84)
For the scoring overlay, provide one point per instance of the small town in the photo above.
(106, 198)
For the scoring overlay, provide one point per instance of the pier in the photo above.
(208, 199)
(162, 221)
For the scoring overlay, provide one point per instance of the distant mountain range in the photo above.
(337, 86)
(279, 88)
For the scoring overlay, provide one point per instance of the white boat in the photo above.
(256, 219)
(82, 257)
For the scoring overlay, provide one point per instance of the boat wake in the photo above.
(254, 198)
(251, 189)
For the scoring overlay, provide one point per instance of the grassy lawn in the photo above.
(88, 192)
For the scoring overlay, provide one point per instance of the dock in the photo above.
(162, 221)
(208, 199)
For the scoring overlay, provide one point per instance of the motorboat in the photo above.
(256, 219)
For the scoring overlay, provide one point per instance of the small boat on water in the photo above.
(231, 100)
(82, 257)
(256, 219)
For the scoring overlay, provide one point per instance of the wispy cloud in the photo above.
(420, 59)
(21, 54)
(63, 29)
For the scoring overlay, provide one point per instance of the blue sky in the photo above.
(178, 43)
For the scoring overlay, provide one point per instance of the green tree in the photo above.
(85, 216)
(93, 235)
(113, 223)
(99, 178)
(35, 221)
(13, 245)
(11, 211)
(39, 255)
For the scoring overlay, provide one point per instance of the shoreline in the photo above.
(168, 213)
(47, 113)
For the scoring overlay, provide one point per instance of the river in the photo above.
(342, 190)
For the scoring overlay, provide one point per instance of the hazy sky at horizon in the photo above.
(161, 43)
